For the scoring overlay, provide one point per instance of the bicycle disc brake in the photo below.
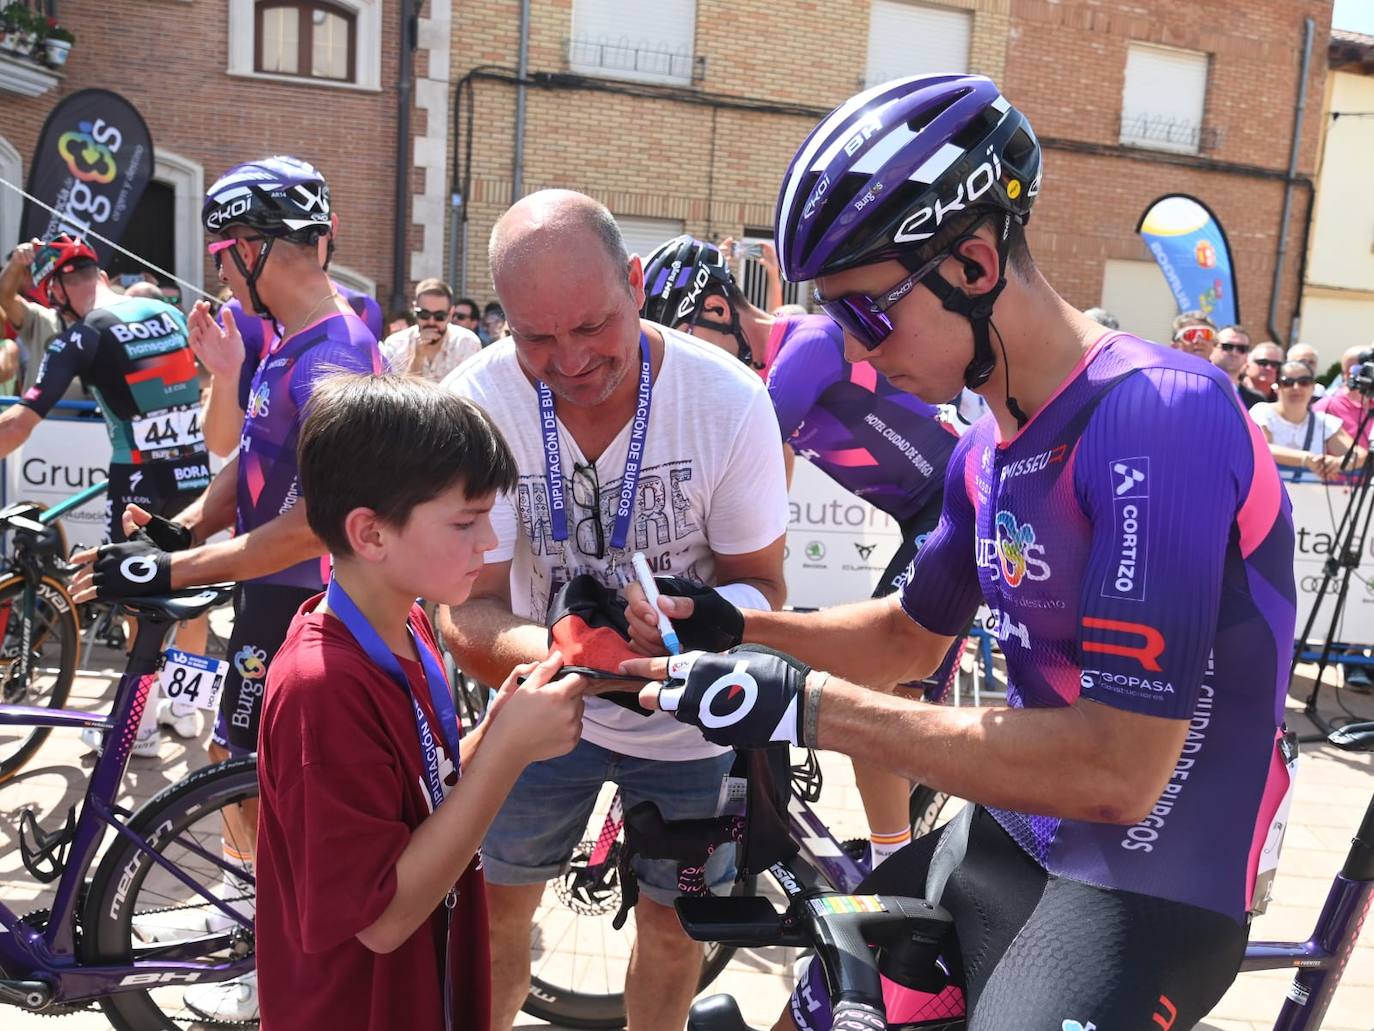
(587, 889)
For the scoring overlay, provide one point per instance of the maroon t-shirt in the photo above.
(342, 785)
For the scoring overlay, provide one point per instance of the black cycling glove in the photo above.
(164, 534)
(134, 569)
(714, 625)
(747, 698)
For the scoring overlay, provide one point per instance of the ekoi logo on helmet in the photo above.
(924, 222)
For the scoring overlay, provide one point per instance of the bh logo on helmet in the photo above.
(729, 699)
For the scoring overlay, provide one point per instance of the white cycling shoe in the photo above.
(225, 1002)
(183, 719)
(146, 744)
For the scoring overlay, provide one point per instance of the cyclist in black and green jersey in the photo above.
(132, 353)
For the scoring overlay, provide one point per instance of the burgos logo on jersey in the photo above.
(251, 662)
(1014, 550)
(257, 402)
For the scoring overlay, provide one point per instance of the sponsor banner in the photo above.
(92, 163)
(1189, 245)
(1317, 511)
(837, 543)
(60, 458)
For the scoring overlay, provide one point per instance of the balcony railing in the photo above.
(1164, 132)
(635, 60)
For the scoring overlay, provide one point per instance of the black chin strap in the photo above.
(732, 328)
(978, 311)
(251, 279)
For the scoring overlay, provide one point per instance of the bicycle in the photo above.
(40, 628)
(856, 937)
(154, 917)
(579, 961)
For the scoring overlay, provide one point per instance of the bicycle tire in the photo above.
(113, 902)
(925, 806)
(58, 625)
(590, 1011)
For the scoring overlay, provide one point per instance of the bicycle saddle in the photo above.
(179, 605)
(1354, 737)
(716, 1013)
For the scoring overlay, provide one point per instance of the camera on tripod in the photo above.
(1361, 375)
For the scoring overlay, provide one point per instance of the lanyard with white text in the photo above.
(342, 606)
(553, 458)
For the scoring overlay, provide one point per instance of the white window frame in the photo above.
(873, 78)
(187, 180)
(11, 204)
(352, 279)
(367, 39)
(1131, 139)
(632, 36)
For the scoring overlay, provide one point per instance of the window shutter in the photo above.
(908, 39)
(643, 235)
(652, 42)
(1162, 101)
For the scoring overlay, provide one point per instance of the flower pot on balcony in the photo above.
(26, 42)
(58, 51)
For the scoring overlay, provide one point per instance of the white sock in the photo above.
(882, 846)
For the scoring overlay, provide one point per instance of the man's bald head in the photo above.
(558, 221)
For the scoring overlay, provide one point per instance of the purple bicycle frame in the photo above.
(49, 955)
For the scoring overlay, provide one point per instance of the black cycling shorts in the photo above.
(1043, 953)
(262, 615)
(162, 488)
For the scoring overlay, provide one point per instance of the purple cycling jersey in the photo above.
(871, 438)
(259, 334)
(268, 483)
(1136, 548)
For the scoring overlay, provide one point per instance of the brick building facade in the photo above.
(188, 67)
(708, 155)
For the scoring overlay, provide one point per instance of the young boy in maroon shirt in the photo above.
(371, 908)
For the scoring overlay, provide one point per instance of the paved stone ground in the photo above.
(1333, 791)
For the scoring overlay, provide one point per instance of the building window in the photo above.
(909, 39)
(311, 39)
(331, 43)
(642, 236)
(1164, 97)
(648, 42)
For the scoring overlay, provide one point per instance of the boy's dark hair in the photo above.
(389, 443)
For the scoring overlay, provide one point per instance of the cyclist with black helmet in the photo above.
(882, 444)
(1121, 516)
(266, 218)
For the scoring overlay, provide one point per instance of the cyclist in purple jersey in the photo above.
(268, 220)
(1121, 515)
(882, 444)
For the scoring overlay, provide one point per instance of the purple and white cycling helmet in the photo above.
(884, 170)
(679, 276)
(275, 197)
(884, 173)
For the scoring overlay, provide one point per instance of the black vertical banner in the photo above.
(92, 163)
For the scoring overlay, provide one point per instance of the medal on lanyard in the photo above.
(371, 642)
(634, 458)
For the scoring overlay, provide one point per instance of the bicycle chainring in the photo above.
(38, 920)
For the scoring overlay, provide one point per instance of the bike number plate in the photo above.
(169, 428)
(189, 678)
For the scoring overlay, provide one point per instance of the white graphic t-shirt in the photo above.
(711, 482)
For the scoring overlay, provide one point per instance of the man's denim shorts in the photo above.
(546, 814)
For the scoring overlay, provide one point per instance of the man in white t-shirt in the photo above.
(435, 345)
(701, 502)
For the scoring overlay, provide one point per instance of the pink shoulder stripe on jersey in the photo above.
(853, 457)
(1264, 499)
(1077, 371)
(865, 376)
(774, 345)
(1275, 787)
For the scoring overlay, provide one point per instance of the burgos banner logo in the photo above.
(89, 152)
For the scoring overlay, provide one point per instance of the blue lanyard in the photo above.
(356, 623)
(634, 458)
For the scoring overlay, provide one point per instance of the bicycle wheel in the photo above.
(925, 807)
(54, 637)
(577, 959)
(135, 910)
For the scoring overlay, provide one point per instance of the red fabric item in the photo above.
(341, 791)
(587, 625)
